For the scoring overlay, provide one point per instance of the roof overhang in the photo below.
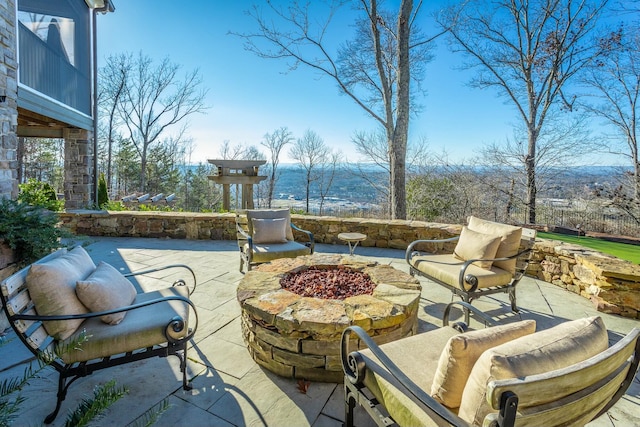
(103, 6)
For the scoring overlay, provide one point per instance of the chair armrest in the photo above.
(462, 277)
(353, 365)
(179, 282)
(410, 252)
(176, 323)
(309, 234)
(242, 234)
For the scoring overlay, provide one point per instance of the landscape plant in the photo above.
(103, 196)
(30, 230)
(38, 193)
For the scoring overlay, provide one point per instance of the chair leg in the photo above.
(349, 405)
(512, 298)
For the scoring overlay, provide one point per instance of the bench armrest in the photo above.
(471, 279)
(353, 365)
(179, 282)
(177, 323)
(410, 252)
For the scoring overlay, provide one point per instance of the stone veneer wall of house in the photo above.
(613, 285)
(8, 104)
(78, 168)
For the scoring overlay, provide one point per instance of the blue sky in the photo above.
(250, 96)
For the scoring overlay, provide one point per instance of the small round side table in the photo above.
(352, 239)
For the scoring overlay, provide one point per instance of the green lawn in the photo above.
(619, 250)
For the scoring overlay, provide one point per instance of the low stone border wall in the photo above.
(612, 284)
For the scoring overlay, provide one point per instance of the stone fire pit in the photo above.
(299, 337)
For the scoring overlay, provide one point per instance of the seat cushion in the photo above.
(141, 328)
(461, 353)
(446, 268)
(270, 251)
(52, 287)
(106, 289)
(270, 214)
(475, 245)
(509, 240)
(269, 230)
(555, 348)
(417, 356)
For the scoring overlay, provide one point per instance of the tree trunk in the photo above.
(398, 152)
(530, 166)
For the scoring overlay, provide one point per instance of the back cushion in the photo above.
(462, 352)
(476, 245)
(555, 348)
(52, 286)
(270, 214)
(269, 230)
(509, 240)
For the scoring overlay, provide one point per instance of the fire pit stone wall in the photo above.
(299, 337)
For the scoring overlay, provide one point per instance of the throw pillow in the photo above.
(509, 240)
(555, 348)
(461, 353)
(106, 289)
(269, 230)
(52, 286)
(475, 245)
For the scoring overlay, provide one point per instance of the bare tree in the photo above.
(376, 69)
(155, 99)
(111, 84)
(310, 152)
(275, 142)
(615, 81)
(528, 50)
(326, 175)
(560, 145)
(373, 148)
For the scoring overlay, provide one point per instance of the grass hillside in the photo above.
(619, 250)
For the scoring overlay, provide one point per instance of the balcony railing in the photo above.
(50, 73)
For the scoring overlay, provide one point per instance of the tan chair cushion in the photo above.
(106, 289)
(476, 245)
(52, 286)
(141, 328)
(446, 268)
(269, 230)
(270, 214)
(461, 353)
(509, 240)
(270, 251)
(558, 347)
(416, 356)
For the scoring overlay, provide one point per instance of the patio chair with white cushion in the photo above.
(489, 258)
(267, 234)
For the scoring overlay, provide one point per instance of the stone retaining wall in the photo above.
(612, 284)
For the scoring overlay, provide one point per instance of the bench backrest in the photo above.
(17, 300)
(573, 395)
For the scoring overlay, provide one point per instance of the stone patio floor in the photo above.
(229, 389)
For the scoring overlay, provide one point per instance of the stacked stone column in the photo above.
(8, 101)
(78, 168)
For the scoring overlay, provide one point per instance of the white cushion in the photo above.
(106, 289)
(52, 286)
(475, 245)
(461, 353)
(555, 348)
(270, 214)
(509, 240)
(269, 230)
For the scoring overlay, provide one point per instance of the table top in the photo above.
(352, 236)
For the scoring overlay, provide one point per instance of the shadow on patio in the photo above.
(229, 388)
